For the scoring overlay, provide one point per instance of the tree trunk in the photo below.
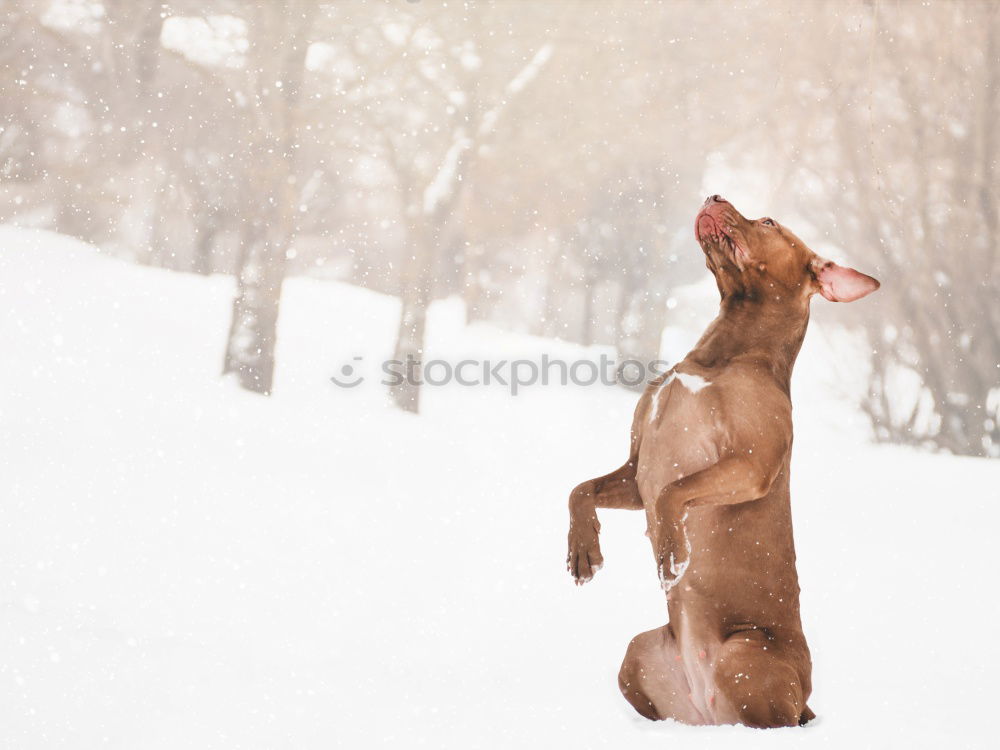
(206, 230)
(409, 350)
(415, 296)
(639, 342)
(587, 323)
(253, 329)
(277, 51)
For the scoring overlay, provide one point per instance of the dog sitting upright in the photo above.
(709, 460)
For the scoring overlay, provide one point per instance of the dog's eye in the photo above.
(768, 222)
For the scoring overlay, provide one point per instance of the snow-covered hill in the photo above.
(185, 565)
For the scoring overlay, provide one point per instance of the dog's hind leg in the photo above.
(762, 683)
(652, 678)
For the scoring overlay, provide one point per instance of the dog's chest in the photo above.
(681, 431)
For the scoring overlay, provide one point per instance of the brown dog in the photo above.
(711, 445)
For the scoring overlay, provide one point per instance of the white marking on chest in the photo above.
(693, 383)
(656, 396)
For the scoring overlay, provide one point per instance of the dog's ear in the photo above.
(839, 283)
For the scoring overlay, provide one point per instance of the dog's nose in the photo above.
(715, 199)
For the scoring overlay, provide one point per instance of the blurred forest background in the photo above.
(541, 160)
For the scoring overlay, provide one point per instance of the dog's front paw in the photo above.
(584, 558)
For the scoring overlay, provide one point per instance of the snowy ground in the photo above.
(184, 565)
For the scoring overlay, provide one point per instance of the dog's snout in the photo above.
(715, 199)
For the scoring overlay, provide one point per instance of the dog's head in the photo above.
(761, 258)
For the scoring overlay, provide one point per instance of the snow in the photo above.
(443, 183)
(189, 565)
(514, 87)
(677, 570)
(530, 71)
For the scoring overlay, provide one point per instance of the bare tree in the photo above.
(455, 101)
(908, 168)
(275, 69)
